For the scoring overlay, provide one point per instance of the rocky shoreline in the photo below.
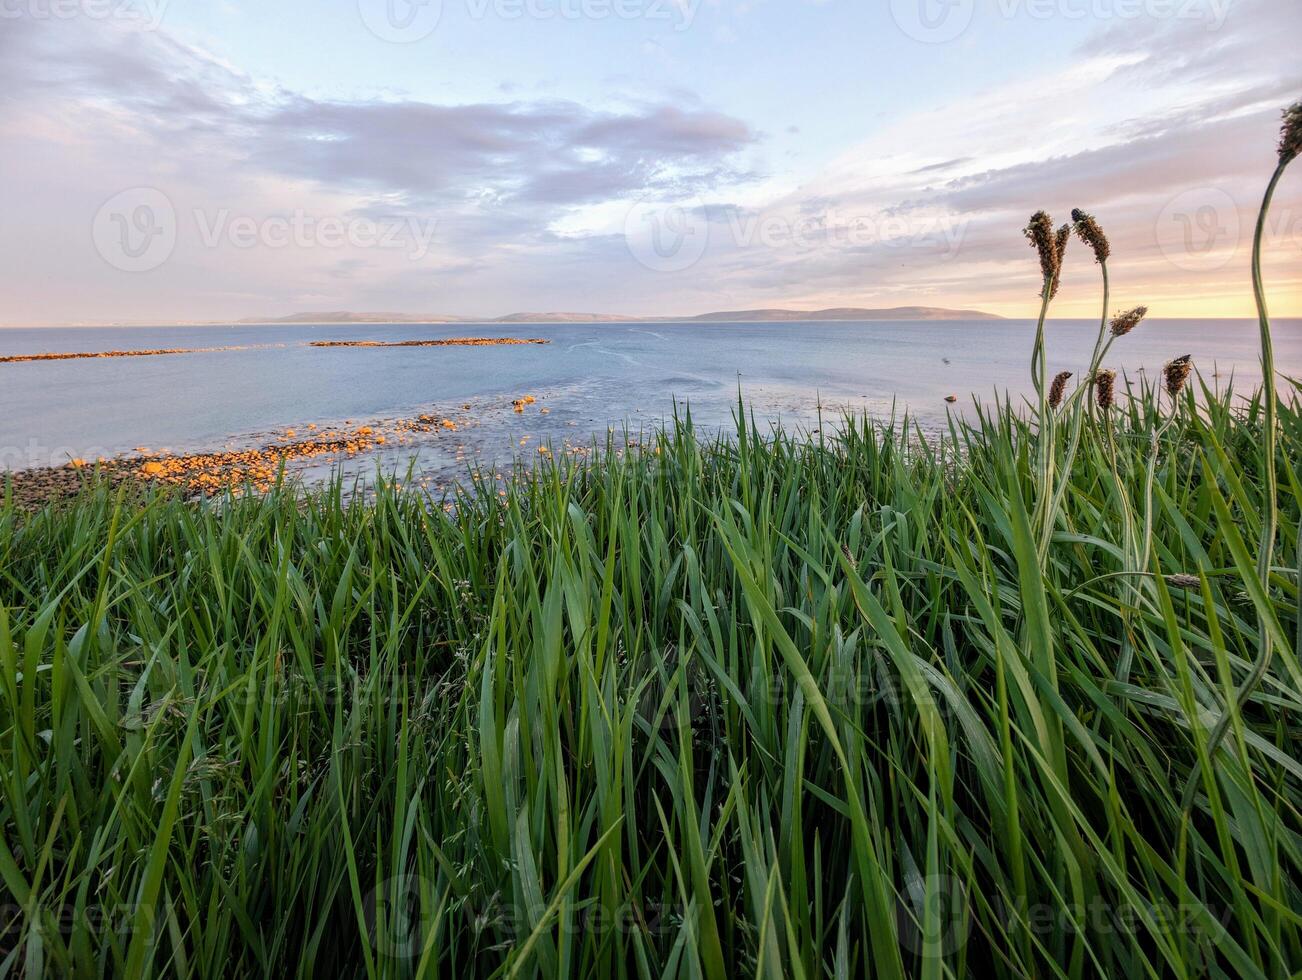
(237, 471)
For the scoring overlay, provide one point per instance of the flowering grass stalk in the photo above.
(1290, 146)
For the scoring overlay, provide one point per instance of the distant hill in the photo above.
(843, 313)
(349, 317)
(732, 316)
(568, 318)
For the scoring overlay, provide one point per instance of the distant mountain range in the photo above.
(842, 313)
(730, 316)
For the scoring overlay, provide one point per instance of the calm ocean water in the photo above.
(590, 377)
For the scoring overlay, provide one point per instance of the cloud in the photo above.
(1165, 129)
(557, 153)
(93, 108)
(1152, 124)
(416, 150)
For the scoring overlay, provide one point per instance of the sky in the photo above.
(214, 160)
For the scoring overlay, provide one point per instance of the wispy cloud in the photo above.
(1166, 130)
(1163, 128)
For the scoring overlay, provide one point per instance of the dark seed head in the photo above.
(1125, 322)
(1091, 233)
(1046, 242)
(1290, 137)
(1105, 389)
(1060, 243)
(1176, 374)
(1058, 389)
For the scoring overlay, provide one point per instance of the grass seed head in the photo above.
(1290, 137)
(1060, 243)
(1046, 241)
(1125, 322)
(1058, 389)
(1176, 374)
(1105, 389)
(1183, 581)
(1091, 233)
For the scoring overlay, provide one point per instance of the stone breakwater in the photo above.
(171, 351)
(160, 352)
(449, 342)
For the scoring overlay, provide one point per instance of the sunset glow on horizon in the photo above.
(188, 162)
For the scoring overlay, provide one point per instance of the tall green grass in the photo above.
(994, 703)
(766, 705)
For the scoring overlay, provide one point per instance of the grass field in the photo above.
(1024, 700)
(758, 706)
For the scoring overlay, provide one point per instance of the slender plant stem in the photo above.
(1270, 496)
(1039, 368)
(1038, 359)
(1075, 410)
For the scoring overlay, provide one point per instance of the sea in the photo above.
(589, 381)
